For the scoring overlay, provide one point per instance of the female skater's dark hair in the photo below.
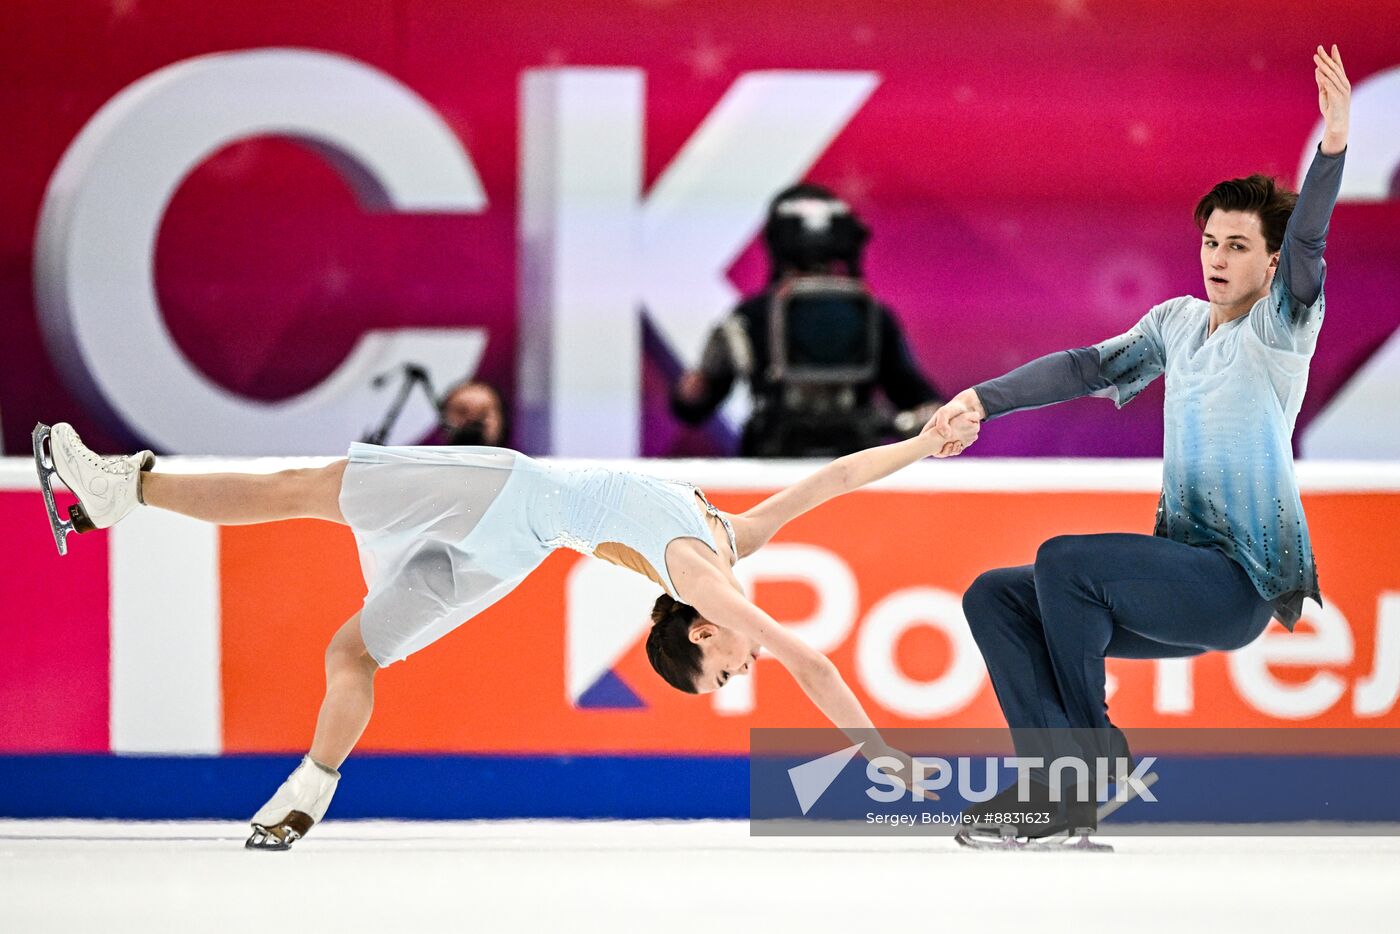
(1257, 194)
(669, 648)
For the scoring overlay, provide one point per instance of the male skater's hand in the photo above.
(957, 422)
(1333, 99)
(965, 429)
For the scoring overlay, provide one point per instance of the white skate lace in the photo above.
(113, 465)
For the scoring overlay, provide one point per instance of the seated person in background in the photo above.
(814, 345)
(472, 413)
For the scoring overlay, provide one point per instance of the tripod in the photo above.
(412, 375)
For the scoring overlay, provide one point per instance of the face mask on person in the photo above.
(472, 433)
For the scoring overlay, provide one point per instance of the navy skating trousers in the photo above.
(1045, 629)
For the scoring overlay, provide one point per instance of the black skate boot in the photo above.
(1009, 818)
(1004, 822)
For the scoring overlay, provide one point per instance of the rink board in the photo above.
(1254, 794)
(166, 638)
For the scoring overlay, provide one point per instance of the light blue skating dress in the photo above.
(444, 532)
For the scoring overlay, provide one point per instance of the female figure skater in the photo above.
(443, 533)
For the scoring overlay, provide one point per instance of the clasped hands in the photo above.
(954, 427)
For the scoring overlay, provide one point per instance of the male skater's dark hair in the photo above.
(1257, 194)
(669, 648)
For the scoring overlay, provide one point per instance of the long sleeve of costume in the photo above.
(1118, 369)
(1300, 263)
(1291, 316)
(1056, 377)
(899, 376)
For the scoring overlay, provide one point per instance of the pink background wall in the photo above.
(1029, 171)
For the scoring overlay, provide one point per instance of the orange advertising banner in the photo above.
(874, 579)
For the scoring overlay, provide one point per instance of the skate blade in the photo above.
(976, 841)
(1063, 844)
(999, 838)
(279, 836)
(274, 839)
(43, 462)
(264, 838)
(1055, 843)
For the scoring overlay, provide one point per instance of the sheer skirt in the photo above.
(443, 533)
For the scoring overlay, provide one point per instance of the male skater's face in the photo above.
(1235, 260)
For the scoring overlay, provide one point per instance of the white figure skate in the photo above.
(298, 804)
(107, 487)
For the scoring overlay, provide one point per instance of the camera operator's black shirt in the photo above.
(898, 376)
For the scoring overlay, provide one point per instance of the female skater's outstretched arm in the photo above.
(754, 528)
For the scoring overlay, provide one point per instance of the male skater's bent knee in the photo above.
(1063, 552)
(985, 600)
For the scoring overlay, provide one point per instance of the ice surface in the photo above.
(667, 877)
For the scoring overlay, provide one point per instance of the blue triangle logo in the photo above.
(610, 692)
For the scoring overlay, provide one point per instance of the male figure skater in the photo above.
(1231, 547)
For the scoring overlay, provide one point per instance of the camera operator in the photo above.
(814, 345)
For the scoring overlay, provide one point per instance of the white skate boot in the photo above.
(107, 487)
(300, 802)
